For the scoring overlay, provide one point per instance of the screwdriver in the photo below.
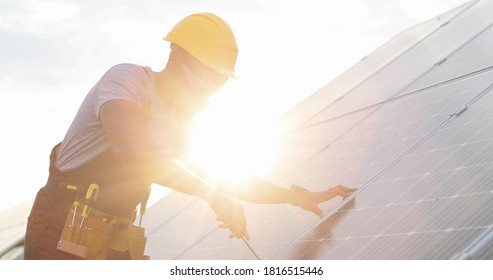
(93, 188)
(143, 206)
(76, 202)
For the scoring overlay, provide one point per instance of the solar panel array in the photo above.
(410, 125)
(12, 230)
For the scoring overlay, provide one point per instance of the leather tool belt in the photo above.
(89, 233)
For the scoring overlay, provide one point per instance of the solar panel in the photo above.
(437, 193)
(412, 131)
(368, 66)
(172, 236)
(12, 230)
(472, 58)
(416, 62)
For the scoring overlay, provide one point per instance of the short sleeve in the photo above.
(125, 82)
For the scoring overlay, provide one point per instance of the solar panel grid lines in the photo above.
(432, 185)
(405, 95)
(443, 124)
(464, 205)
(368, 67)
(452, 240)
(235, 249)
(474, 215)
(455, 82)
(222, 250)
(472, 57)
(340, 149)
(461, 168)
(399, 76)
(318, 238)
(261, 221)
(414, 215)
(302, 146)
(382, 246)
(362, 219)
(457, 115)
(416, 245)
(168, 208)
(172, 238)
(362, 247)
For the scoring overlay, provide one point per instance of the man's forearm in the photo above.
(179, 179)
(257, 191)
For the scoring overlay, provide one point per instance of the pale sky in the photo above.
(53, 51)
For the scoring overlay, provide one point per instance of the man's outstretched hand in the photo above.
(310, 200)
(230, 215)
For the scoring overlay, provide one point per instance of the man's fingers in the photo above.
(230, 216)
(325, 195)
(237, 230)
(348, 191)
(342, 187)
(316, 210)
(240, 232)
(341, 190)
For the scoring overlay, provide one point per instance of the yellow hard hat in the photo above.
(209, 39)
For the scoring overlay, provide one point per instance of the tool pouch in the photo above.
(90, 233)
(131, 239)
(137, 243)
(96, 237)
(89, 241)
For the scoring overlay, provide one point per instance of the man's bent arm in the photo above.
(125, 126)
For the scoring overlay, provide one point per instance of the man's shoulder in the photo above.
(126, 79)
(129, 68)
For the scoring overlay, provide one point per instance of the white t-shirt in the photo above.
(86, 138)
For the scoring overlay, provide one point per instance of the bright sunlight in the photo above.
(233, 141)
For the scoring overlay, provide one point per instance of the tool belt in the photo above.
(89, 233)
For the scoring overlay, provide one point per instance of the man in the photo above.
(126, 135)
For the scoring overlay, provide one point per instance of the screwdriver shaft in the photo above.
(251, 249)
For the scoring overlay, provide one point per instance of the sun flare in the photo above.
(232, 142)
